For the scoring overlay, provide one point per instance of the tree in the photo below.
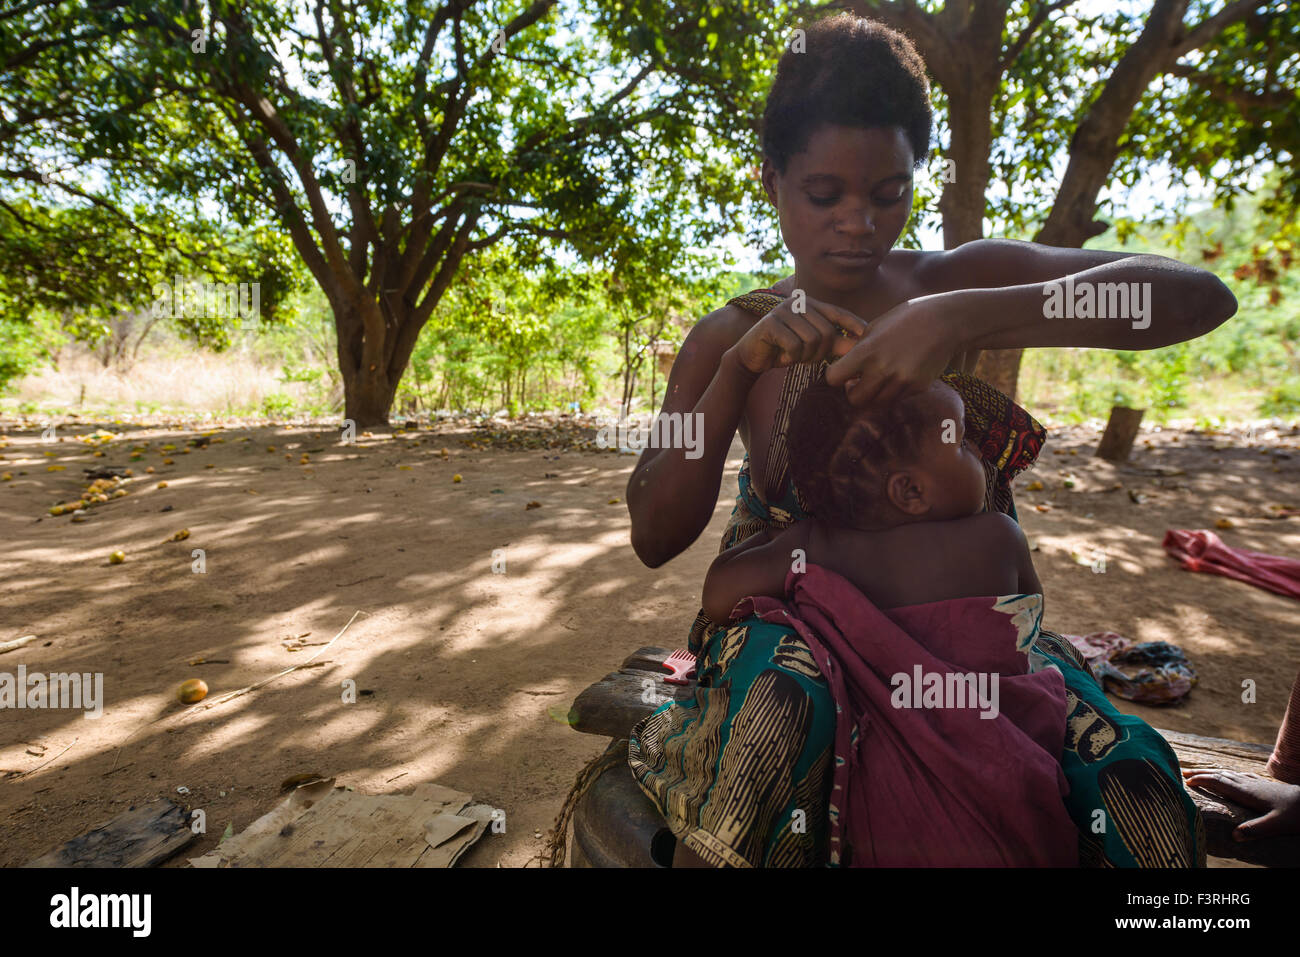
(1202, 87)
(98, 271)
(391, 141)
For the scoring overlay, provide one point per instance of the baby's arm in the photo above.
(758, 566)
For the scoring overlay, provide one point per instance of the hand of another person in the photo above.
(1279, 801)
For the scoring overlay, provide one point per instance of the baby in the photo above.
(898, 498)
(903, 582)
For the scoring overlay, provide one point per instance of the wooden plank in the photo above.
(1196, 751)
(141, 836)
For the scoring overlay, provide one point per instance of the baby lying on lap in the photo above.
(899, 498)
(920, 609)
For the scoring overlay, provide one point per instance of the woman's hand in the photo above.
(784, 337)
(902, 352)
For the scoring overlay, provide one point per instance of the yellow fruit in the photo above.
(168, 462)
(162, 485)
(118, 493)
(180, 536)
(7, 477)
(1034, 486)
(149, 470)
(55, 468)
(1224, 523)
(192, 691)
(456, 477)
(270, 448)
(117, 558)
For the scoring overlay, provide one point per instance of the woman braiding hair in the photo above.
(742, 770)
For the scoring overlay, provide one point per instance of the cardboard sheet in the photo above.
(320, 825)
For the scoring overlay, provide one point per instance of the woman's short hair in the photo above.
(851, 71)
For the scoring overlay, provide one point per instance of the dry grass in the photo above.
(192, 381)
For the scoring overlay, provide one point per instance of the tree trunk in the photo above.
(1000, 368)
(367, 398)
(368, 390)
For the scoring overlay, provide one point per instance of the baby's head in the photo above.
(879, 467)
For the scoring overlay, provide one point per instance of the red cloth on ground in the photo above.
(1203, 551)
(935, 786)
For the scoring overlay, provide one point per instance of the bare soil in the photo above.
(464, 675)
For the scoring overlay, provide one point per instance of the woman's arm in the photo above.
(672, 492)
(758, 566)
(670, 496)
(1003, 294)
(1174, 302)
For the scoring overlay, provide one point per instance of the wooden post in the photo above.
(1122, 428)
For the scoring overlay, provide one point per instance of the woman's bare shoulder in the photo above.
(722, 328)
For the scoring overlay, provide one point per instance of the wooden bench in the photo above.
(616, 825)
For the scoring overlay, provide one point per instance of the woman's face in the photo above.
(843, 202)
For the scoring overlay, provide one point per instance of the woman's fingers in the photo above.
(807, 336)
(842, 318)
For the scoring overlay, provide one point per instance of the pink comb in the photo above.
(682, 665)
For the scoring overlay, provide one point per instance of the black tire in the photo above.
(616, 825)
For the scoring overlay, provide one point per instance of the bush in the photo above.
(277, 404)
(1281, 401)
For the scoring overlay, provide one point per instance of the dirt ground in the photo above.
(464, 676)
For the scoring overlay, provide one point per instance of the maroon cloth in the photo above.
(1203, 551)
(935, 786)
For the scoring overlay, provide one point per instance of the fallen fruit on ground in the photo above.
(117, 558)
(193, 690)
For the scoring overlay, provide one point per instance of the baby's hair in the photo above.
(840, 456)
(854, 72)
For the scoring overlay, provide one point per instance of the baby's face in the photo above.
(951, 462)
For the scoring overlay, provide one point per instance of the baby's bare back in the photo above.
(984, 554)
